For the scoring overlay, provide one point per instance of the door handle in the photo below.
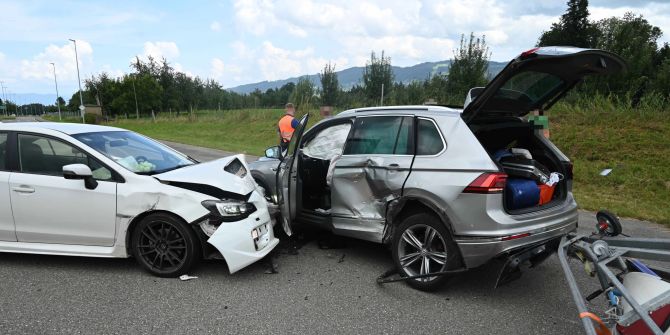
(393, 166)
(23, 189)
(273, 169)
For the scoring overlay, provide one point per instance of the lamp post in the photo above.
(57, 97)
(4, 98)
(81, 98)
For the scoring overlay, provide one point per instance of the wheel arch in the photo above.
(138, 218)
(408, 205)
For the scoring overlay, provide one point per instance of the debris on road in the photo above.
(605, 172)
(187, 277)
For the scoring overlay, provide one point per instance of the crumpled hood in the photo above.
(210, 178)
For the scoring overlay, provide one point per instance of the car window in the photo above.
(44, 155)
(529, 87)
(328, 143)
(429, 141)
(380, 135)
(3, 151)
(135, 152)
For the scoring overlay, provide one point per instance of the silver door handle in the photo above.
(273, 169)
(23, 189)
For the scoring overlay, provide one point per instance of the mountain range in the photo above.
(352, 76)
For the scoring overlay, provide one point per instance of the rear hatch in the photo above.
(536, 79)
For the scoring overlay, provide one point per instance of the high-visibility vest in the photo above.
(285, 128)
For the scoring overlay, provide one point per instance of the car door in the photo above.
(286, 179)
(7, 230)
(47, 207)
(376, 161)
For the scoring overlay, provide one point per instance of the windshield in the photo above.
(135, 152)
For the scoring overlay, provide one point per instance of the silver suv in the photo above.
(425, 179)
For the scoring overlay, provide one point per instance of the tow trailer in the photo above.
(637, 294)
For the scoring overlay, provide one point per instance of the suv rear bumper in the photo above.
(478, 250)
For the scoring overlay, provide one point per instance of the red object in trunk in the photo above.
(546, 193)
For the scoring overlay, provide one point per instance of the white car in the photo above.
(86, 190)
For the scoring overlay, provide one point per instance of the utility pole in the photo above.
(81, 97)
(137, 110)
(57, 96)
(4, 98)
(381, 101)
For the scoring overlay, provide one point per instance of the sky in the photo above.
(245, 41)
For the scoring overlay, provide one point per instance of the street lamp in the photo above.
(81, 98)
(4, 97)
(57, 97)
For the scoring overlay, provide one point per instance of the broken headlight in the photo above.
(229, 210)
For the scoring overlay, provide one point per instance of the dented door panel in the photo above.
(370, 174)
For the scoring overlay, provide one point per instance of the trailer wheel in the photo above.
(608, 223)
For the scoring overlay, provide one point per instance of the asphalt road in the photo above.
(316, 291)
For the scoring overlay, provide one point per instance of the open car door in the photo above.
(286, 178)
(536, 79)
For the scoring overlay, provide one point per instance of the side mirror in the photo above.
(273, 152)
(80, 171)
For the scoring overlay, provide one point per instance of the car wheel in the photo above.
(165, 246)
(423, 245)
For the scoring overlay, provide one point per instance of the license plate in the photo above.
(261, 236)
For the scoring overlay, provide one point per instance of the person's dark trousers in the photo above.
(283, 146)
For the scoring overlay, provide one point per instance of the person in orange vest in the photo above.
(286, 126)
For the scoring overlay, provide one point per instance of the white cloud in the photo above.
(218, 68)
(63, 56)
(215, 26)
(158, 50)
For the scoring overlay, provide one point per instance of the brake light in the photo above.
(487, 183)
(514, 237)
(529, 53)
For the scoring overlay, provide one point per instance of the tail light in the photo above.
(487, 183)
(568, 166)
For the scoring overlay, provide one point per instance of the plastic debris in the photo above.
(605, 172)
(187, 277)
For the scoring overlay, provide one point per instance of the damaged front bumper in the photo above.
(246, 241)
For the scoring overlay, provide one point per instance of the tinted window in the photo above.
(529, 87)
(380, 135)
(3, 151)
(43, 155)
(428, 138)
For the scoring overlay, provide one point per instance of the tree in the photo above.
(378, 73)
(573, 28)
(468, 69)
(330, 87)
(634, 39)
(303, 93)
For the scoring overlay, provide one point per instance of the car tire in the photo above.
(413, 256)
(164, 245)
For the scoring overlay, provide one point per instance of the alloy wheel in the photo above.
(162, 246)
(422, 250)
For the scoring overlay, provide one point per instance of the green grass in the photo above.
(635, 144)
(597, 135)
(246, 131)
